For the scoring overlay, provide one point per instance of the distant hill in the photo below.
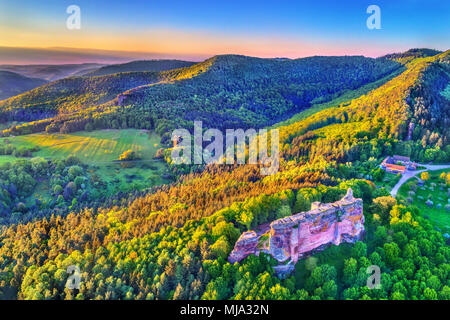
(229, 91)
(226, 91)
(51, 72)
(84, 72)
(74, 93)
(412, 54)
(12, 84)
(144, 65)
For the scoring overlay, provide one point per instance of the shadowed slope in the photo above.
(12, 84)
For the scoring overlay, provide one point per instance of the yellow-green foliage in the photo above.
(385, 103)
(102, 145)
(380, 114)
(188, 72)
(127, 155)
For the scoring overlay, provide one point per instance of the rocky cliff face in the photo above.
(298, 236)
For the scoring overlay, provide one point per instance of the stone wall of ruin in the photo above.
(295, 237)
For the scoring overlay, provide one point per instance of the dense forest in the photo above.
(172, 242)
(408, 115)
(224, 92)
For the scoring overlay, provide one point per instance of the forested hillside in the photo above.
(408, 56)
(173, 241)
(409, 111)
(12, 84)
(256, 92)
(71, 94)
(144, 65)
(223, 92)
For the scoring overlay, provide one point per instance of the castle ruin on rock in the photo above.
(298, 236)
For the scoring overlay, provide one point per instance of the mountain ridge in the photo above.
(49, 72)
(12, 84)
(257, 85)
(140, 66)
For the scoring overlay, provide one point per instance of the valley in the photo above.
(79, 182)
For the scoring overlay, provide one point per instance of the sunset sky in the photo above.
(198, 29)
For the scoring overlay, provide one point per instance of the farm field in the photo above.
(433, 189)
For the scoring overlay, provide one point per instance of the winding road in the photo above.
(409, 174)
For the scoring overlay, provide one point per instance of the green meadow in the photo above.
(101, 150)
(91, 147)
(433, 189)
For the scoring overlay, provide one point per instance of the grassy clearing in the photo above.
(91, 147)
(100, 150)
(439, 216)
(141, 176)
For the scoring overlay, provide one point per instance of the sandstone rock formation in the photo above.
(246, 245)
(295, 237)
